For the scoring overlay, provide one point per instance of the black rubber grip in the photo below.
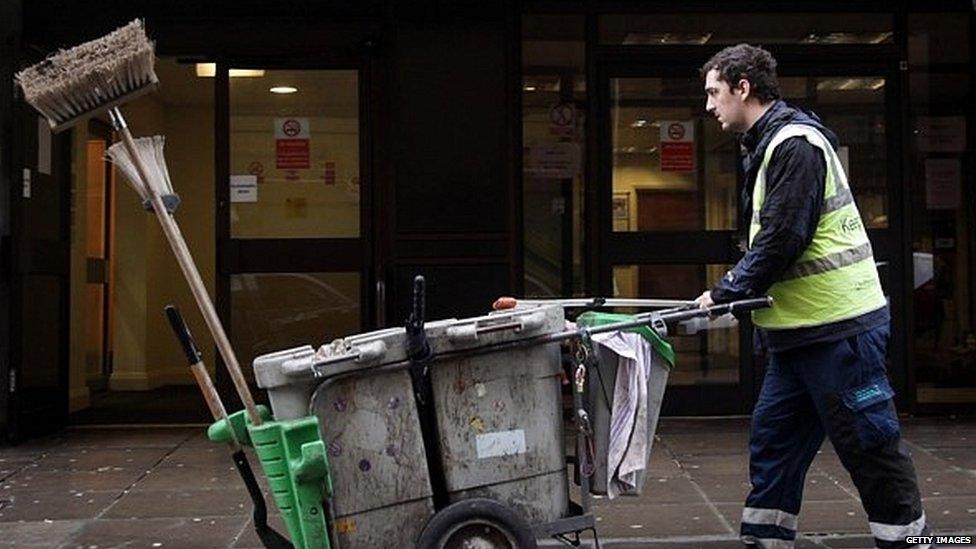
(746, 305)
(419, 300)
(183, 334)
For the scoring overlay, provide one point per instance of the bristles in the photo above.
(72, 83)
(150, 150)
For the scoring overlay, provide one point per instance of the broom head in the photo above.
(74, 84)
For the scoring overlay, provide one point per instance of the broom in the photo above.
(268, 536)
(74, 84)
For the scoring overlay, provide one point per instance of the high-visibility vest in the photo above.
(835, 278)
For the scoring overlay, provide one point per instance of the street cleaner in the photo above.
(827, 332)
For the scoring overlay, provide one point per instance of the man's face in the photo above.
(726, 103)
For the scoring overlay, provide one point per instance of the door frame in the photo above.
(99, 129)
(34, 415)
(711, 247)
(292, 255)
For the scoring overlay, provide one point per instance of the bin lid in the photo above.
(591, 319)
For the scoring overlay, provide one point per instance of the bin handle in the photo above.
(367, 353)
(471, 332)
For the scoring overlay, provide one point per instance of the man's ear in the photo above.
(744, 89)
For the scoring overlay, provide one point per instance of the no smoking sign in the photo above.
(291, 127)
(676, 131)
(292, 149)
(677, 146)
(562, 119)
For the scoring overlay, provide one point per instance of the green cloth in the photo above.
(592, 319)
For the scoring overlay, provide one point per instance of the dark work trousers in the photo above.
(840, 389)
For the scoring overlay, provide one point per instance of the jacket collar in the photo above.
(770, 120)
(756, 138)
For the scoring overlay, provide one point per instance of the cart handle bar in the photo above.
(377, 349)
(733, 307)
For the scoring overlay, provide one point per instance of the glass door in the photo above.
(293, 254)
(672, 180)
(669, 185)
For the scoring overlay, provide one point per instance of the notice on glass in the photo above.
(677, 145)
(941, 133)
(292, 150)
(562, 119)
(552, 161)
(943, 183)
(243, 188)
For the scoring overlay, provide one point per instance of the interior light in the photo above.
(209, 70)
(246, 73)
(529, 88)
(283, 89)
(639, 123)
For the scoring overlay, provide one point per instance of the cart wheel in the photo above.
(477, 523)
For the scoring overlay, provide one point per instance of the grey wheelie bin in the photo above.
(497, 405)
(450, 433)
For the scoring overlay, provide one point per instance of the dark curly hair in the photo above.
(751, 63)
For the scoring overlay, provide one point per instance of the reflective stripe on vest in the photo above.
(835, 278)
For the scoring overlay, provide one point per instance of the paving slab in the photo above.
(144, 486)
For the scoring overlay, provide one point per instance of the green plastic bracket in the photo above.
(294, 460)
(220, 432)
(293, 457)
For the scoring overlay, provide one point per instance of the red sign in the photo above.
(292, 136)
(256, 169)
(677, 157)
(292, 154)
(677, 146)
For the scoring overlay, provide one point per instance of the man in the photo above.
(827, 331)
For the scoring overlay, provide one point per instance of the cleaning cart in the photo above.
(447, 432)
(441, 435)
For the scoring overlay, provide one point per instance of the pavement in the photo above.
(99, 487)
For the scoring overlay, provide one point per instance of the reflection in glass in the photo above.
(942, 217)
(275, 311)
(854, 108)
(553, 123)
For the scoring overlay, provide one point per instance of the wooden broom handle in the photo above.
(210, 394)
(189, 268)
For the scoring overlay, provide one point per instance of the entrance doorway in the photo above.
(668, 186)
(292, 231)
(99, 258)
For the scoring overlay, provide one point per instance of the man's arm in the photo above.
(789, 217)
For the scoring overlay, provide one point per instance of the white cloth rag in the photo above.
(628, 447)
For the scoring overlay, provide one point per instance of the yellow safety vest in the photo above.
(835, 278)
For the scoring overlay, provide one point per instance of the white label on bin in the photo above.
(502, 443)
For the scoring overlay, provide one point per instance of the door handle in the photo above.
(380, 304)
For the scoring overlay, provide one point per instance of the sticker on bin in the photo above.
(501, 443)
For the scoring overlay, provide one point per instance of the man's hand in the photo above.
(704, 301)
